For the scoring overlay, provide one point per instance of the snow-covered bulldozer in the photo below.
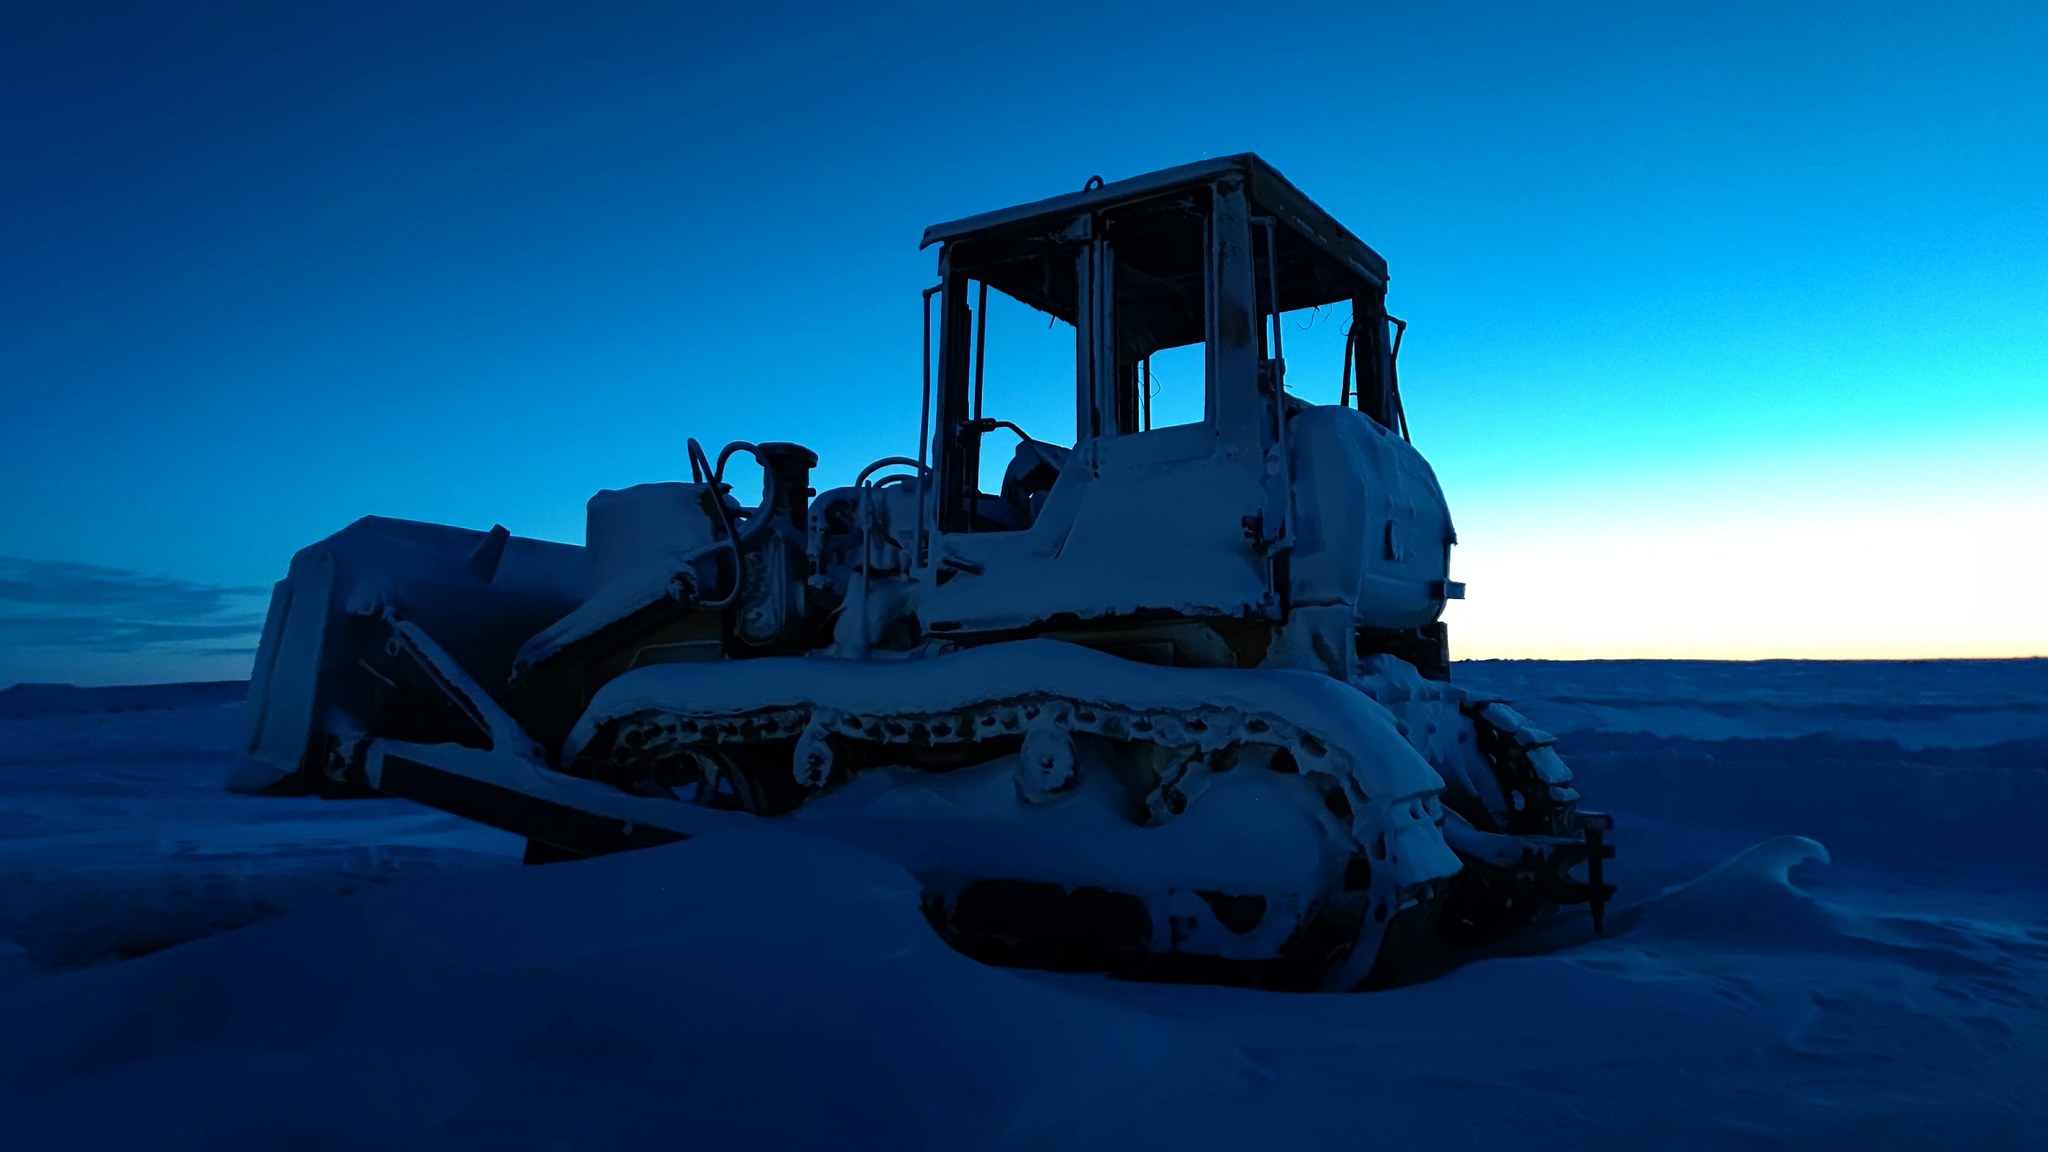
(1168, 701)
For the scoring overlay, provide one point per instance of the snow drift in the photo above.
(778, 990)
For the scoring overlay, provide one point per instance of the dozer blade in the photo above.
(320, 680)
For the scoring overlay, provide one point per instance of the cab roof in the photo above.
(1270, 193)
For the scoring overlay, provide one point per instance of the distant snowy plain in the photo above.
(1833, 933)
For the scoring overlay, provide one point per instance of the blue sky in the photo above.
(1729, 322)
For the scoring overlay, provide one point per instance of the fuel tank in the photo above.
(1372, 529)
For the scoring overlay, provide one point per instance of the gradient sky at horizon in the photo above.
(1729, 322)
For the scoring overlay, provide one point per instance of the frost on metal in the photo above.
(1170, 701)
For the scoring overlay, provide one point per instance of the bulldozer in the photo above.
(1170, 700)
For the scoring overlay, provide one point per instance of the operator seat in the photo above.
(1033, 468)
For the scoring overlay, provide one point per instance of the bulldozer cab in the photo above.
(1143, 513)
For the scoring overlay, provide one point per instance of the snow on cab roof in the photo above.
(1270, 193)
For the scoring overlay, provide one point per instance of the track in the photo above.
(772, 735)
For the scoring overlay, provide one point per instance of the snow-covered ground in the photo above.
(762, 989)
(117, 836)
